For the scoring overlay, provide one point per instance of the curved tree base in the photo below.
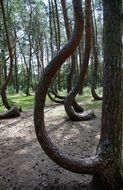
(95, 95)
(11, 113)
(77, 107)
(83, 116)
(96, 98)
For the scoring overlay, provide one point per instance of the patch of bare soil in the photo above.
(25, 166)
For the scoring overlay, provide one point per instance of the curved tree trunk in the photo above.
(106, 164)
(52, 91)
(89, 165)
(58, 101)
(75, 105)
(4, 86)
(61, 99)
(95, 64)
(69, 99)
(68, 33)
(93, 83)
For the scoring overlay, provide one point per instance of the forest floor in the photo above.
(23, 163)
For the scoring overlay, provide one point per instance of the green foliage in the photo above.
(30, 21)
(27, 102)
(87, 99)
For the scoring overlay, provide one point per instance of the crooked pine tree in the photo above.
(106, 164)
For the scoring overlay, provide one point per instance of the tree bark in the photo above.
(111, 126)
(106, 165)
(5, 83)
(75, 105)
(88, 165)
(72, 58)
(87, 115)
(16, 111)
(11, 113)
(51, 29)
(58, 101)
(16, 66)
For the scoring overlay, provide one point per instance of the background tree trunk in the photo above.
(5, 83)
(71, 97)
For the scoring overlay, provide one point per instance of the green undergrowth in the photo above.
(87, 101)
(27, 102)
(20, 100)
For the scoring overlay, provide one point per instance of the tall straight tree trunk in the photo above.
(96, 60)
(16, 67)
(51, 29)
(29, 70)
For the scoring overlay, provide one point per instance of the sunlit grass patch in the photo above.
(20, 100)
(27, 102)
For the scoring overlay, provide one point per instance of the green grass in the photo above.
(89, 102)
(27, 102)
(21, 100)
(94, 105)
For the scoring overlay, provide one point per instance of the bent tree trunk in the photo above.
(11, 113)
(4, 85)
(106, 164)
(72, 58)
(75, 105)
(86, 115)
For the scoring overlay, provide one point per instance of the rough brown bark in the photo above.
(106, 165)
(16, 111)
(89, 165)
(75, 105)
(111, 126)
(5, 83)
(72, 58)
(69, 99)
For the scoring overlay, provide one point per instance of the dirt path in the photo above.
(24, 165)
